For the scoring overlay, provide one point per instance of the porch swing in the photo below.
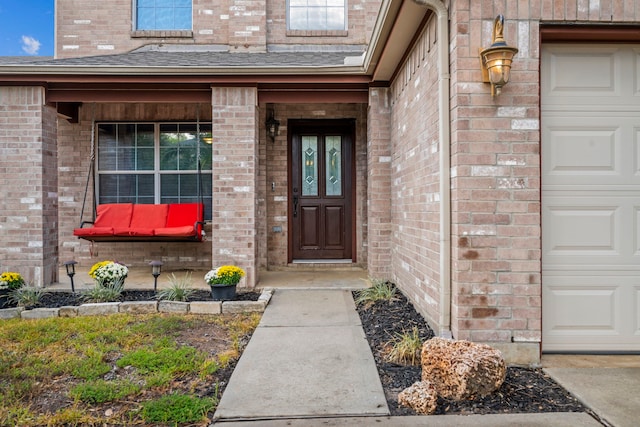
(131, 222)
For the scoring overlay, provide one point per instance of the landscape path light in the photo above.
(70, 266)
(156, 269)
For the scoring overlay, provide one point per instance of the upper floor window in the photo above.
(323, 15)
(163, 15)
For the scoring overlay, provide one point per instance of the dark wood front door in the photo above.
(321, 193)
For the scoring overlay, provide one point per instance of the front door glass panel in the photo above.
(333, 164)
(310, 165)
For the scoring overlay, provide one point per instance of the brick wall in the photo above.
(235, 177)
(415, 177)
(28, 238)
(102, 27)
(379, 226)
(74, 154)
(275, 171)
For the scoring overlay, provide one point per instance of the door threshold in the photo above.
(322, 261)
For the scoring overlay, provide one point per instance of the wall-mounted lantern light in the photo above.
(272, 125)
(496, 59)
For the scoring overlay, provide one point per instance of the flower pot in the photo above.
(223, 292)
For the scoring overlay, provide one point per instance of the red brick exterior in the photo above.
(415, 176)
(379, 166)
(89, 27)
(29, 176)
(235, 173)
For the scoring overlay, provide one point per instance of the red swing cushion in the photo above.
(144, 220)
(108, 217)
(120, 221)
(181, 220)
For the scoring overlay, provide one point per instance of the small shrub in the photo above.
(101, 391)
(380, 290)
(177, 408)
(404, 349)
(104, 291)
(179, 289)
(28, 296)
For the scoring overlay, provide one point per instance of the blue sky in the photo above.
(26, 27)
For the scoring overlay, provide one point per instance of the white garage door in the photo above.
(591, 198)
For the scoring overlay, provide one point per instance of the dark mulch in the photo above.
(523, 391)
(55, 299)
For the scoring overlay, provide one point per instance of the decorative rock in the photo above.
(421, 396)
(462, 369)
(205, 307)
(139, 307)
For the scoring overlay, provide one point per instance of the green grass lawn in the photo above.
(117, 370)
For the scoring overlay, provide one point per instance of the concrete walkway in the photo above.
(308, 358)
(608, 385)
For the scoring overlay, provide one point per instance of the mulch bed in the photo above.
(523, 391)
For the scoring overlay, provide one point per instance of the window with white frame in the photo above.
(323, 15)
(154, 163)
(163, 15)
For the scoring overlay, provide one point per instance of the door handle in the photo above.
(295, 206)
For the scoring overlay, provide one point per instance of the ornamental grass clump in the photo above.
(105, 290)
(179, 290)
(11, 281)
(227, 275)
(27, 296)
(108, 271)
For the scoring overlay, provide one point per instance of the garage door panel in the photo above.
(590, 229)
(582, 310)
(592, 149)
(586, 151)
(565, 72)
(636, 306)
(590, 152)
(583, 229)
(585, 313)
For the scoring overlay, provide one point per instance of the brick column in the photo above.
(379, 184)
(29, 176)
(235, 173)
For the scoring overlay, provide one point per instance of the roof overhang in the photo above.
(392, 36)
